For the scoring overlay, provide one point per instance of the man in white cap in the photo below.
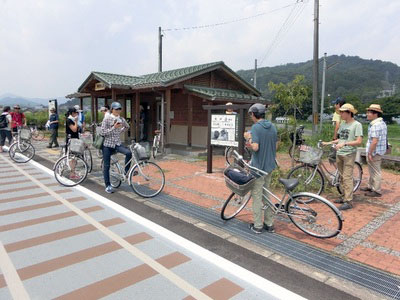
(376, 147)
(81, 118)
(350, 136)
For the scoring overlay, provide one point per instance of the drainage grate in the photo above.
(368, 277)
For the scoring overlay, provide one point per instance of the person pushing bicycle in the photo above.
(111, 129)
(262, 140)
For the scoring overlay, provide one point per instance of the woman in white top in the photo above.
(5, 127)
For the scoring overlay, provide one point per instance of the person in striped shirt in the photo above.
(376, 147)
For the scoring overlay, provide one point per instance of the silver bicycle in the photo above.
(21, 150)
(145, 178)
(311, 213)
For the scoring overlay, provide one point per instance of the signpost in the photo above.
(230, 128)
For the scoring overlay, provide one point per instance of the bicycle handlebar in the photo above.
(240, 158)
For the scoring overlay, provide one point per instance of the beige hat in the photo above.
(375, 107)
(348, 107)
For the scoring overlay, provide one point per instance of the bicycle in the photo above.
(313, 172)
(145, 178)
(299, 141)
(311, 213)
(157, 141)
(87, 153)
(71, 169)
(37, 135)
(230, 158)
(21, 150)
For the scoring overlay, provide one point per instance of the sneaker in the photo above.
(254, 229)
(340, 201)
(56, 146)
(366, 189)
(109, 189)
(346, 206)
(49, 146)
(269, 229)
(373, 194)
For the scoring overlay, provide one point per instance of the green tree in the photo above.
(290, 97)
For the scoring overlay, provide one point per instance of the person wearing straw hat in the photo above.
(350, 136)
(376, 147)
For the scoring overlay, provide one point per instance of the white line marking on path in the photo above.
(14, 283)
(251, 278)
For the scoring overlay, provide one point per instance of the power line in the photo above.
(285, 28)
(228, 22)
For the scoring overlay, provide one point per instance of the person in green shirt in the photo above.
(350, 136)
(336, 118)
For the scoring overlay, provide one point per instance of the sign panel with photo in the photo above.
(224, 130)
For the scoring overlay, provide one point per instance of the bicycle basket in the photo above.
(76, 146)
(25, 134)
(310, 155)
(239, 189)
(86, 138)
(141, 153)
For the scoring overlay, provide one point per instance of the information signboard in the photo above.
(224, 130)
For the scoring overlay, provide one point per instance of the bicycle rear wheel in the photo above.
(357, 177)
(147, 179)
(234, 205)
(70, 171)
(307, 181)
(314, 215)
(87, 156)
(21, 152)
(37, 135)
(156, 146)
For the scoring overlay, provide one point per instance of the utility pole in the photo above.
(160, 36)
(255, 74)
(322, 93)
(315, 68)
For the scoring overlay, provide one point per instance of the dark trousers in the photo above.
(53, 137)
(5, 134)
(107, 152)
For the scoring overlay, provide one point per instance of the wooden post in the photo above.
(209, 146)
(137, 117)
(92, 108)
(132, 125)
(241, 130)
(190, 121)
(168, 114)
(96, 110)
(113, 95)
(81, 103)
(124, 114)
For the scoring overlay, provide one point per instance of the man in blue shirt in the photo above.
(262, 140)
(53, 127)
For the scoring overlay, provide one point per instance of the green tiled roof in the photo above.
(223, 94)
(116, 79)
(161, 79)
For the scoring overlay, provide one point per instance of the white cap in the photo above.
(77, 107)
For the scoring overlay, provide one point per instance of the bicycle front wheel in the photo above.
(147, 179)
(87, 156)
(310, 180)
(314, 215)
(21, 152)
(234, 205)
(70, 171)
(357, 177)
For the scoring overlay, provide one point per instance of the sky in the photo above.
(48, 48)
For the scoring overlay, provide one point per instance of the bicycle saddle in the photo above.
(289, 184)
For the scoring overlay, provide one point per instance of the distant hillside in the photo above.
(11, 100)
(351, 76)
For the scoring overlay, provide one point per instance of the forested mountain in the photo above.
(351, 75)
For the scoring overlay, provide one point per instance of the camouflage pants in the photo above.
(261, 216)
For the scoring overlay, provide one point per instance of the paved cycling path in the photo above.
(71, 243)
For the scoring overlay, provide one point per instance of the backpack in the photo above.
(3, 121)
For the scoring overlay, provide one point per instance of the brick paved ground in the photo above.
(370, 234)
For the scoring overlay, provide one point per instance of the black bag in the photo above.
(238, 176)
(3, 121)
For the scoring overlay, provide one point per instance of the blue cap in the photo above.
(116, 105)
